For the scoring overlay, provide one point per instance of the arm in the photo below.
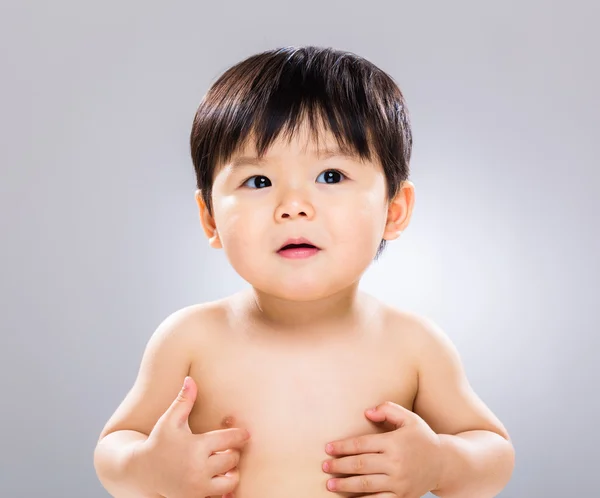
(165, 363)
(477, 454)
(476, 463)
(114, 460)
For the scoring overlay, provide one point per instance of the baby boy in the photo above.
(302, 161)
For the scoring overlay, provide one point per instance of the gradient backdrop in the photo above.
(101, 238)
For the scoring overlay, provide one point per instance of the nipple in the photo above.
(227, 421)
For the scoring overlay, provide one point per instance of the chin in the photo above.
(300, 295)
(293, 290)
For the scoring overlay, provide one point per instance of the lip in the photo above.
(297, 240)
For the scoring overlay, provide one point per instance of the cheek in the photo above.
(360, 222)
(228, 216)
(241, 230)
(231, 228)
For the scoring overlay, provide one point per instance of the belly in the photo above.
(284, 458)
(291, 475)
(290, 428)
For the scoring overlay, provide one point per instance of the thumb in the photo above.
(391, 415)
(180, 409)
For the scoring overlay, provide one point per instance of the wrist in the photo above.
(441, 463)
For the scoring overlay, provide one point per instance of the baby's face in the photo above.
(338, 203)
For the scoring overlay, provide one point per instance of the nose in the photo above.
(295, 205)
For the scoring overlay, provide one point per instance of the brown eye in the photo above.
(257, 184)
(332, 176)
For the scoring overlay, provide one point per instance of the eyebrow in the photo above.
(321, 154)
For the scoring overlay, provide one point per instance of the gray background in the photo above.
(101, 239)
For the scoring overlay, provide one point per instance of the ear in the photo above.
(208, 222)
(400, 211)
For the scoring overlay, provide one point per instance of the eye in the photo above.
(331, 175)
(259, 181)
(255, 183)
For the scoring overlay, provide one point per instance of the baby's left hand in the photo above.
(405, 462)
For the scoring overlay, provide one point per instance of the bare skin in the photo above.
(299, 358)
(295, 393)
(299, 389)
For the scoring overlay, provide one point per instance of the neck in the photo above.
(337, 312)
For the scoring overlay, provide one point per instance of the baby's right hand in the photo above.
(180, 464)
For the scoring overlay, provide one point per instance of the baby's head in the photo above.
(303, 142)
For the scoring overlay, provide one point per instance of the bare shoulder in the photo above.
(418, 334)
(198, 322)
(444, 396)
(184, 327)
(422, 332)
(404, 327)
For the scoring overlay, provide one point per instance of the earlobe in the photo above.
(214, 240)
(392, 234)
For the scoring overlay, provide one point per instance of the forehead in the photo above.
(320, 145)
(302, 140)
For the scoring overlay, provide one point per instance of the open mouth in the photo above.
(298, 251)
(297, 246)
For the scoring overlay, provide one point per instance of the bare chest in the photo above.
(298, 396)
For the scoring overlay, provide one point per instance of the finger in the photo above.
(179, 411)
(391, 414)
(369, 483)
(224, 439)
(221, 485)
(222, 462)
(366, 463)
(385, 494)
(370, 443)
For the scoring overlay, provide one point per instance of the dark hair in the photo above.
(276, 90)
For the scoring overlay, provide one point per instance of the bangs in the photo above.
(272, 94)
